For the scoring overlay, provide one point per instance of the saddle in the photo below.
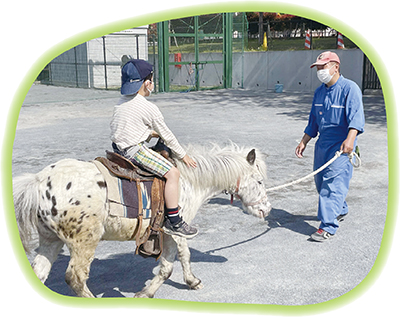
(151, 243)
(124, 168)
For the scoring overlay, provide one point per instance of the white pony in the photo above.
(66, 203)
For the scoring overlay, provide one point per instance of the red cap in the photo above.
(325, 58)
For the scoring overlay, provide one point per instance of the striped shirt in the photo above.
(133, 121)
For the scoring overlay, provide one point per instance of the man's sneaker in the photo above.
(181, 229)
(321, 235)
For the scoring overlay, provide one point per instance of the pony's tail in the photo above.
(26, 203)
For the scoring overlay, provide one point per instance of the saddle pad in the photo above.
(123, 195)
(129, 198)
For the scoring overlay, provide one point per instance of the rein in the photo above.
(351, 156)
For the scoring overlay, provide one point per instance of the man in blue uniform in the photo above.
(337, 118)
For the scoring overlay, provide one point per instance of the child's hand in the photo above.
(153, 134)
(189, 161)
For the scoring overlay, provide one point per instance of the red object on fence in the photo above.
(307, 44)
(340, 43)
(178, 58)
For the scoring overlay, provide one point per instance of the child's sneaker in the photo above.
(181, 229)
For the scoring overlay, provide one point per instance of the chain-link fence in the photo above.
(96, 63)
(197, 52)
(290, 33)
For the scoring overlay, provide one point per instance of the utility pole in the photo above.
(260, 28)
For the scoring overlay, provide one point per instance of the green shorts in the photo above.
(151, 161)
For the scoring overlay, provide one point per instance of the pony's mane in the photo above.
(219, 167)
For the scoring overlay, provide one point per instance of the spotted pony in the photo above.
(66, 204)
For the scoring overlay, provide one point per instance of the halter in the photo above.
(235, 193)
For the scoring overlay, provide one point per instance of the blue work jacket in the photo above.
(334, 111)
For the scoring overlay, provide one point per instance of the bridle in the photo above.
(236, 194)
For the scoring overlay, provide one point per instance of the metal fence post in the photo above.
(160, 48)
(76, 68)
(227, 47)
(137, 46)
(196, 51)
(105, 61)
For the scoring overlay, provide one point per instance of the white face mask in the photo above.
(150, 91)
(324, 75)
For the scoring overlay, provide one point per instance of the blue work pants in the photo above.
(332, 185)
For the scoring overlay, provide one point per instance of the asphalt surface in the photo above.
(239, 258)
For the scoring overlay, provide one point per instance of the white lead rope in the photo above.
(352, 155)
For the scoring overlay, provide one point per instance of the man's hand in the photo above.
(300, 149)
(302, 145)
(348, 144)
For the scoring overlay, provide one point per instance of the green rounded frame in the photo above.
(85, 36)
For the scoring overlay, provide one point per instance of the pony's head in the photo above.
(250, 188)
(235, 170)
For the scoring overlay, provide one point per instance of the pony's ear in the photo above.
(251, 157)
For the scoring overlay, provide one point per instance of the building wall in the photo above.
(83, 66)
(117, 45)
(263, 70)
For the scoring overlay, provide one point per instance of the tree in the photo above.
(281, 22)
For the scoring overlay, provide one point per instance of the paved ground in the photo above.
(239, 258)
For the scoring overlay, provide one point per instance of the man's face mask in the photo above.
(324, 75)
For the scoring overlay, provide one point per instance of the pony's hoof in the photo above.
(196, 284)
(142, 295)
